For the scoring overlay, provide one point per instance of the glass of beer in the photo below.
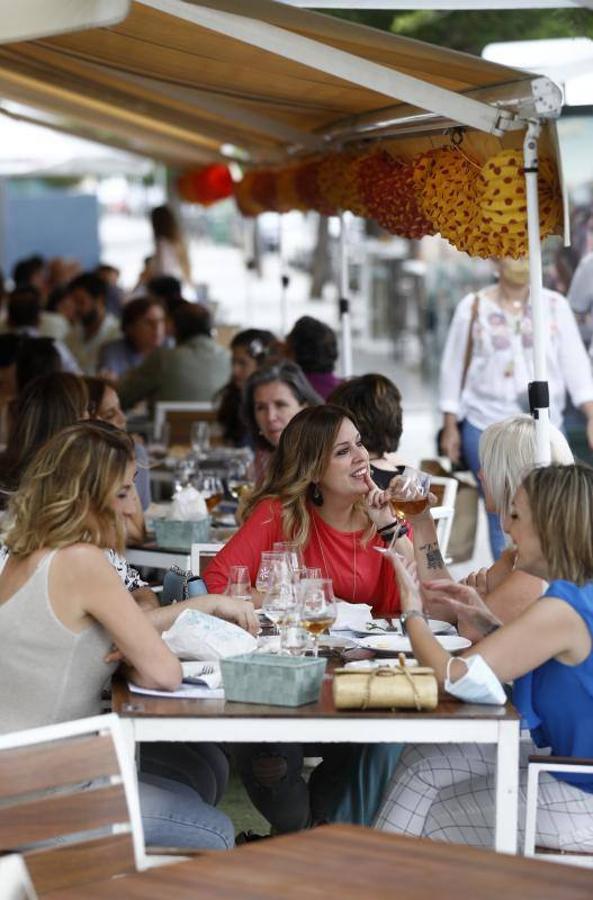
(408, 493)
(317, 607)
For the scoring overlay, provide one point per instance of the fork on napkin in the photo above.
(207, 674)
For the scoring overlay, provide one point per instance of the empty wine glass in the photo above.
(239, 583)
(264, 573)
(199, 436)
(279, 597)
(294, 556)
(317, 607)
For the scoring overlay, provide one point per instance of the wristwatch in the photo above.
(411, 614)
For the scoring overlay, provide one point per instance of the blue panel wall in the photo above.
(52, 224)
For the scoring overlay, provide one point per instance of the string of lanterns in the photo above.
(479, 207)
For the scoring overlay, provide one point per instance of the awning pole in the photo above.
(284, 279)
(538, 389)
(345, 323)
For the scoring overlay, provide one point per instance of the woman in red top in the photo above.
(319, 494)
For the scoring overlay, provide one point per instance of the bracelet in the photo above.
(411, 614)
(390, 527)
(400, 531)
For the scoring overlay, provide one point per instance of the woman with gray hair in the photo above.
(273, 396)
(507, 453)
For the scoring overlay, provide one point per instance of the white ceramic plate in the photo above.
(379, 627)
(367, 665)
(397, 643)
(336, 642)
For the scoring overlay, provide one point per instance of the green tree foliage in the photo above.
(471, 31)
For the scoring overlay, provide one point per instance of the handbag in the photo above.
(388, 687)
(179, 585)
(462, 465)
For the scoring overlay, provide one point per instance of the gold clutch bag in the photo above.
(401, 687)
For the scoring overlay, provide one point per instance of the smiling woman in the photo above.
(318, 494)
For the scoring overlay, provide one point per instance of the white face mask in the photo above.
(478, 685)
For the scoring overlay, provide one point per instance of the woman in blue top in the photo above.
(447, 791)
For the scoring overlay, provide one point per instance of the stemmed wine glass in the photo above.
(239, 583)
(317, 606)
(294, 557)
(279, 596)
(264, 573)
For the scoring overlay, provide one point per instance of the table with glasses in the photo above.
(147, 719)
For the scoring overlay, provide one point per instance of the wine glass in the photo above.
(408, 493)
(199, 436)
(239, 583)
(294, 556)
(317, 606)
(279, 597)
(264, 573)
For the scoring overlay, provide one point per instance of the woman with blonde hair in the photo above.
(319, 495)
(507, 453)
(62, 607)
(446, 792)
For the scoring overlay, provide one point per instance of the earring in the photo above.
(316, 495)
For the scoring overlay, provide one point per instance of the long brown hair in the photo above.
(66, 493)
(46, 406)
(299, 462)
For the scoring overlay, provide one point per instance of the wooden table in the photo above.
(170, 719)
(348, 862)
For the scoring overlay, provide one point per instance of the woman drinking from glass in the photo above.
(318, 494)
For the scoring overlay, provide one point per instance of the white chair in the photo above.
(538, 764)
(201, 555)
(443, 513)
(44, 795)
(15, 882)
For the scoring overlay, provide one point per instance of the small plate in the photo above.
(336, 642)
(389, 644)
(379, 627)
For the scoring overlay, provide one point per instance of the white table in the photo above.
(170, 719)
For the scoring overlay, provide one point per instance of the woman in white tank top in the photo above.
(62, 606)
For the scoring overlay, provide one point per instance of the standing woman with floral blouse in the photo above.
(487, 364)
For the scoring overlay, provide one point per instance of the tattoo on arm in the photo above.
(434, 559)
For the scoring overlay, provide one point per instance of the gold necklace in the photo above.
(325, 565)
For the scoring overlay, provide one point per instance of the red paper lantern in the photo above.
(207, 185)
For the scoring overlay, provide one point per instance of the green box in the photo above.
(173, 534)
(274, 680)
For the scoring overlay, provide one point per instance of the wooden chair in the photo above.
(180, 416)
(45, 795)
(202, 555)
(15, 882)
(538, 764)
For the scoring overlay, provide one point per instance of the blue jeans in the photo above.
(470, 442)
(174, 815)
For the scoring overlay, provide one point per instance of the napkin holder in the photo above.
(174, 534)
(272, 680)
(389, 687)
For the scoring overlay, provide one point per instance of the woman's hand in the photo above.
(407, 580)
(377, 504)
(240, 612)
(450, 443)
(474, 618)
(478, 581)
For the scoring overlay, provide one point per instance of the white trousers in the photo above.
(447, 792)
